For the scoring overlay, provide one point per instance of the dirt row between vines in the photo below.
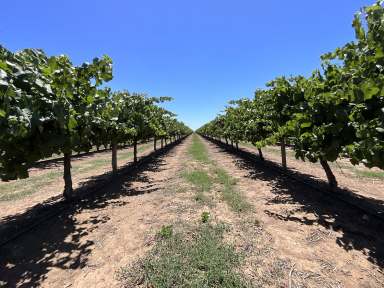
(85, 247)
(319, 240)
(287, 235)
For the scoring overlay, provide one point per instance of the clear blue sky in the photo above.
(201, 52)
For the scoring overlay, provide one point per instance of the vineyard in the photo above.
(51, 107)
(104, 187)
(337, 112)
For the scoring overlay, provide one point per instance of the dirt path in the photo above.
(316, 239)
(85, 246)
(287, 235)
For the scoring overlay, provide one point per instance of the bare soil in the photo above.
(292, 236)
(318, 240)
(85, 246)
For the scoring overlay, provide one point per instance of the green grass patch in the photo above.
(24, 187)
(198, 259)
(200, 179)
(205, 217)
(197, 150)
(202, 182)
(231, 196)
(369, 174)
(166, 232)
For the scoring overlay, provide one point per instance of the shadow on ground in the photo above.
(58, 242)
(359, 231)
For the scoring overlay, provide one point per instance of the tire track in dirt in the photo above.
(319, 241)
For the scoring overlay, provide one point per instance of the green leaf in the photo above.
(369, 89)
(306, 125)
(379, 53)
(90, 99)
(72, 123)
(4, 66)
(380, 130)
(359, 30)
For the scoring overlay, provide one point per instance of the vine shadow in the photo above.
(59, 241)
(358, 230)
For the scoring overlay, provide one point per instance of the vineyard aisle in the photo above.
(321, 241)
(199, 217)
(85, 246)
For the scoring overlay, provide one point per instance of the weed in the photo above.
(204, 217)
(199, 179)
(230, 195)
(204, 260)
(197, 150)
(166, 232)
